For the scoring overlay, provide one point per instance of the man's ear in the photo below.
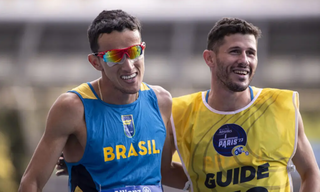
(209, 57)
(95, 62)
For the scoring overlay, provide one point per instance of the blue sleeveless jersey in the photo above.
(124, 142)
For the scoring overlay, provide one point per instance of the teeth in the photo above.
(129, 77)
(241, 72)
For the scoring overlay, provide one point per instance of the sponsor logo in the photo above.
(229, 140)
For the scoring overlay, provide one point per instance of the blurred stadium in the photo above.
(43, 53)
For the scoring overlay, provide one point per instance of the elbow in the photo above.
(310, 179)
(27, 185)
(24, 184)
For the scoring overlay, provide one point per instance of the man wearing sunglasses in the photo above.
(112, 130)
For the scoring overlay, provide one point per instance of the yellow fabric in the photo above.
(208, 142)
(77, 189)
(85, 91)
(144, 87)
(176, 157)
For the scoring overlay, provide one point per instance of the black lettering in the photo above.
(236, 176)
(261, 171)
(228, 179)
(210, 182)
(246, 174)
(244, 177)
(258, 189)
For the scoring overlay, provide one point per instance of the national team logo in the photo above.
(128, 125)
(229, 140)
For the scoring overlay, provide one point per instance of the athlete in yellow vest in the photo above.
(249, 148)
(237, 138)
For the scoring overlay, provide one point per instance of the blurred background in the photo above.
(44, 48)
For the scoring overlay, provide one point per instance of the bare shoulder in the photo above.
(163, 96)
(66, 113)
(68, 103)
(164, 102)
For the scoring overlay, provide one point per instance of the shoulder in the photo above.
(284, 98)
(68, 101)
(185, 105)
(274, 90)
(188, 99)
(164, 101)
(278, 94)
(66, 113)
(162, 94)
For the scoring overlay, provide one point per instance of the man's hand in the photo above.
(61, 166)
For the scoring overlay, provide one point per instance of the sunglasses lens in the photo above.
(117, 56)
(113, 56)
(134, 51)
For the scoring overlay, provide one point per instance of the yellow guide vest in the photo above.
(248, 150)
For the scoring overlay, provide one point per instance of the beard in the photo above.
(223, 74)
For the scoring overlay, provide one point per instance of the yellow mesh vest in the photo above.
(248, 150)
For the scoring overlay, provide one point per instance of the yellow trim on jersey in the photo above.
(144, 87)
(85, 91)
(240, 150)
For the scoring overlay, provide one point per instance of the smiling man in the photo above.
(111, 130)
(239, 138)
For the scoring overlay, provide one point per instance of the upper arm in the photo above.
(164, 102)
(304, 158)
(168, 149)
(62, 121)
(172, 173)
(165, 105)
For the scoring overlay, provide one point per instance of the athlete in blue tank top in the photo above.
(122, 139)
(112, 131)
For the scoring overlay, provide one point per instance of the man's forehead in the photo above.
(241, 41)
(118, 40)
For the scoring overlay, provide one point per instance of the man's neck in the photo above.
(226, 100)
(115, 96)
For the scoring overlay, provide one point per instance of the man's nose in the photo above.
(244, 59)
(128, 63)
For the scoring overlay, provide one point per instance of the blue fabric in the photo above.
(124, 142)
(142, 188)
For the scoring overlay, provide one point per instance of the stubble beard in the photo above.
(126, 91)
(223, 78)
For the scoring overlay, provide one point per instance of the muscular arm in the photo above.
(61, 122)
(172, 172)
(305, 162)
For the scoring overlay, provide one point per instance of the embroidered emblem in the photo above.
(128, 125)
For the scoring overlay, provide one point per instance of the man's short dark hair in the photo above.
(230, 26)
(108, 21)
